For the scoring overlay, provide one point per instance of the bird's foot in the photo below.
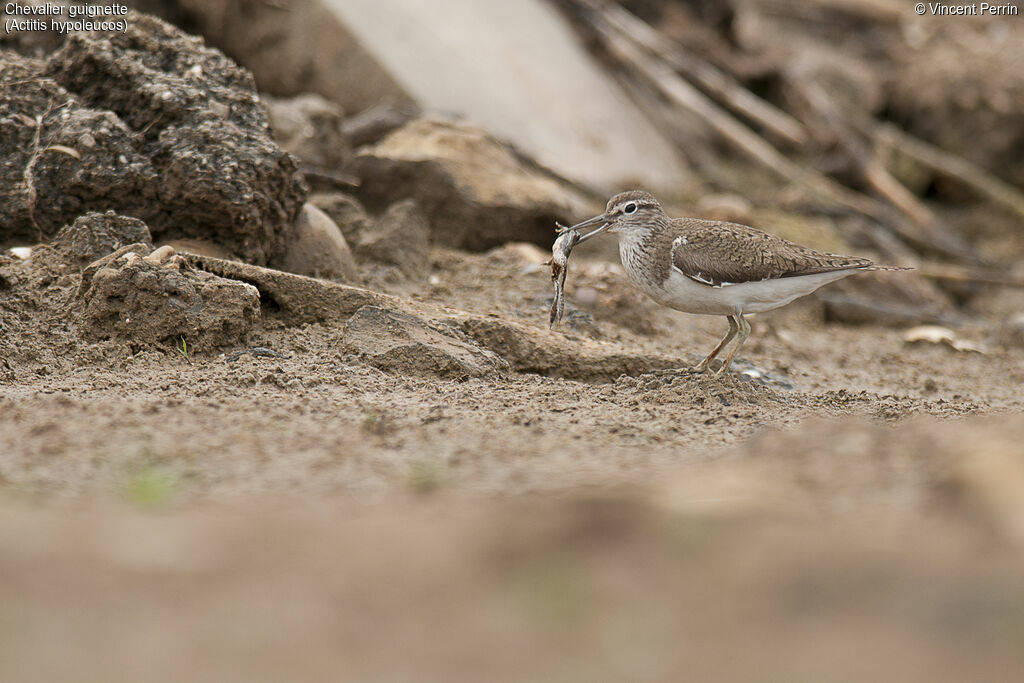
(670, 372)
(722, 370)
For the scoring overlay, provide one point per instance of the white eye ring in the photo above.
(629, 208)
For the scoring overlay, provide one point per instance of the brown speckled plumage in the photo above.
(713, 252)
(716, 252)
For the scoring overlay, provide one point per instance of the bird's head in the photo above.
(627, 213)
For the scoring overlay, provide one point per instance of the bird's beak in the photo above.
(601, 221)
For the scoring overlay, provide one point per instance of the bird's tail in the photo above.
(892, 268)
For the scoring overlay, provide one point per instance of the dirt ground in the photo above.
(428, 483)
(854, 514)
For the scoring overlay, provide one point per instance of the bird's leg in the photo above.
(744, 332)
(703, 365)
(733, 329)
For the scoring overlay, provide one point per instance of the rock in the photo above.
(345, 210)
(151, 124)
(130, 297)
(371, 125)
(319, 249)
(295, 299)
(314, 51)
(309, 127)
(400, 237)
(402, 343)
(95, 235)
(476, 191)
(139, 248)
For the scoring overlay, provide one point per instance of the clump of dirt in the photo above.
(400, 237)
(160, 299)
(64, 157)
(101, 279)
(401, 343)
(151, 124)
(310, 127)
(292, 299)
(93, 236)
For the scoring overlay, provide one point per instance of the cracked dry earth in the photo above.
(841, 507)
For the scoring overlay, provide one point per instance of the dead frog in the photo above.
(559, 263)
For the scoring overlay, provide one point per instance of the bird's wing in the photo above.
(719, 254)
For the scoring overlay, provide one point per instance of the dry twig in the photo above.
(28, 177)
(713, 80)
(682, 93)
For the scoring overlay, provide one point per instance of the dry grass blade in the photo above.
(63, 149)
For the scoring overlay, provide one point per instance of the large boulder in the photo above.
(152, 124)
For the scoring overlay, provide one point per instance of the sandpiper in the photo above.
(713, 267)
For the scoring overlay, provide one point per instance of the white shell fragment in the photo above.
(160, 255)
(936, 334)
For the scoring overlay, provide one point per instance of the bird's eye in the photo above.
(629, 208)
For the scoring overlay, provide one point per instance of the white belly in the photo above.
(683, 294)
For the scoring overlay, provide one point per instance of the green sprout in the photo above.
(183, 350)
(150, 485)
